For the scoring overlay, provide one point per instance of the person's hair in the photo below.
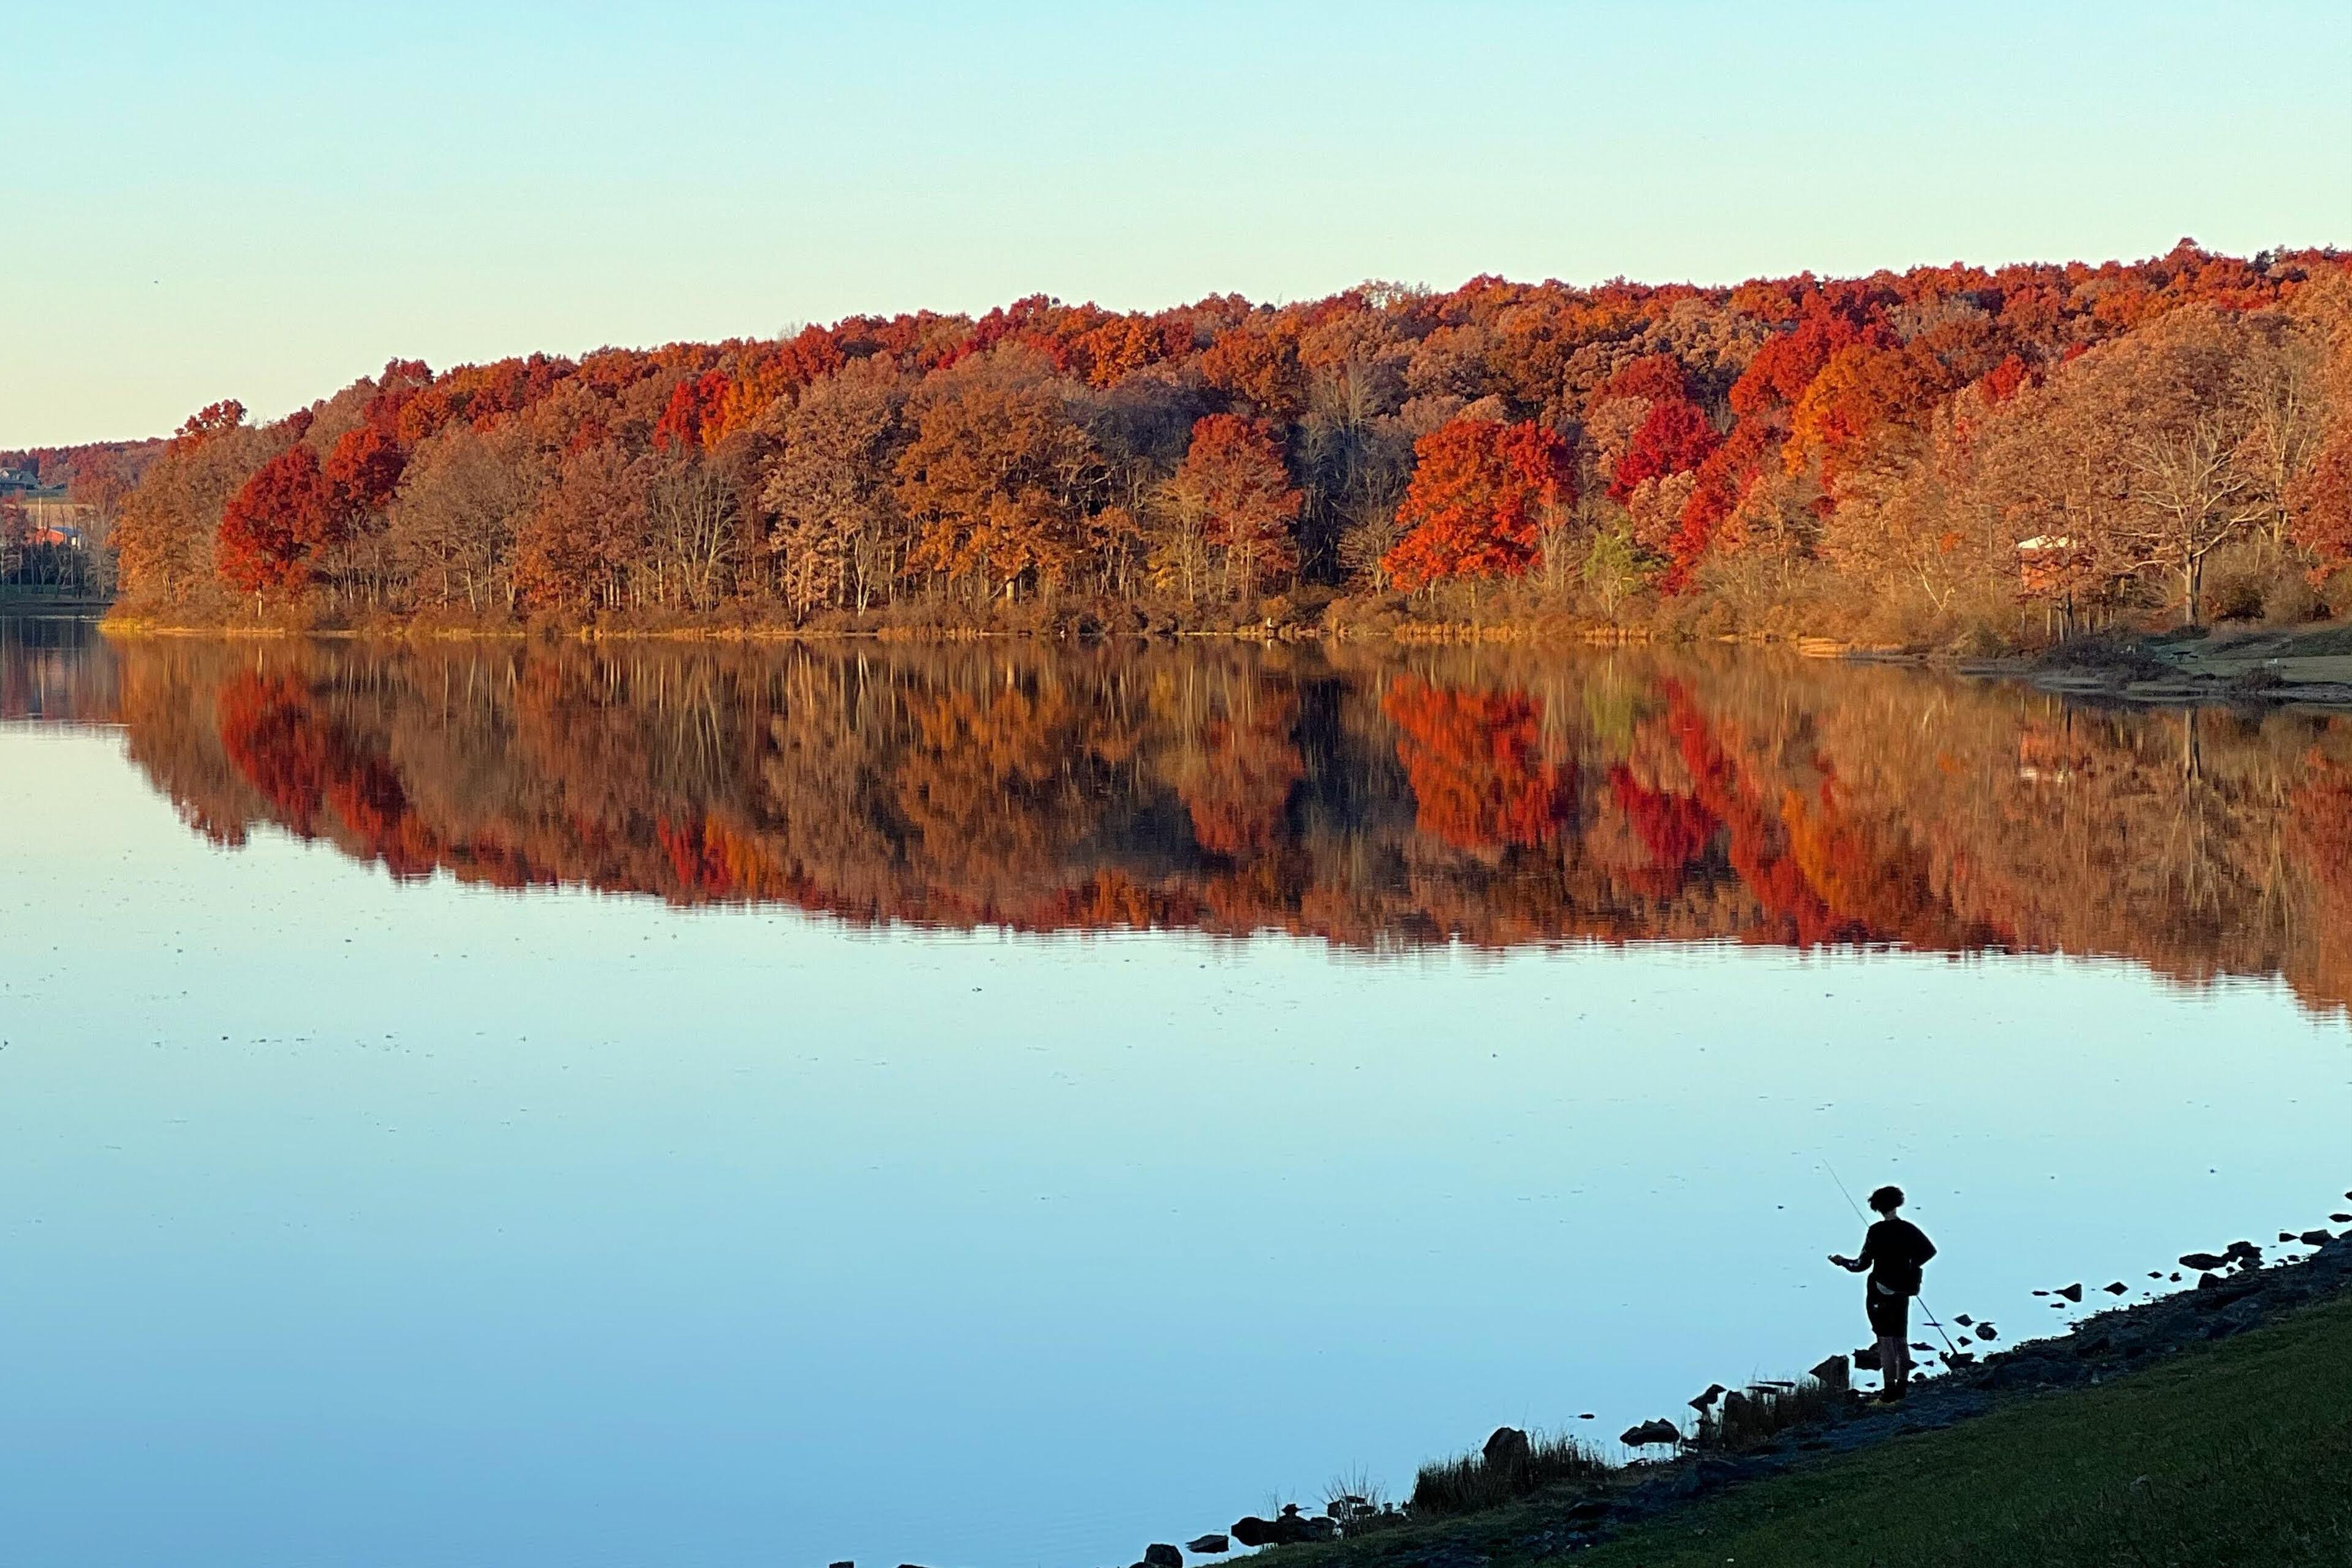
(1886, 1200)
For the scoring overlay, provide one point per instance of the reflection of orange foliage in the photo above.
(2319, 814)
(1238, 802)
(1480, 779)
(308, 769)
(322, 781)
(1227, 791)
(713, 861)
(1676, 829)
(1757, 842)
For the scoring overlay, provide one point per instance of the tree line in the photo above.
(1941, 452)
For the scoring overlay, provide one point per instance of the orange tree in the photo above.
(1479, 494)
(272, 526)
(1233, 477)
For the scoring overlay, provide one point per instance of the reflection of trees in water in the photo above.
(1493, 797)
(46, 675)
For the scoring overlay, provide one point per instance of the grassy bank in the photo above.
(2237, 1452)
(2234, 1453)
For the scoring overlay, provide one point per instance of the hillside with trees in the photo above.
(1950, 455)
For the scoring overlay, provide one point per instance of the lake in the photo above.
(1004, 1104)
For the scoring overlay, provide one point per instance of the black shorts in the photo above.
(1888, 1314)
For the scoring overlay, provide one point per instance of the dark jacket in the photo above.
(1894, 1252)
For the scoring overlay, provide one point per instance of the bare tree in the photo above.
(834, 523)
(2189, 497)
(692, 518)
(451, 529)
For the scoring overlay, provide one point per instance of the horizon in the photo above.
(518, 180)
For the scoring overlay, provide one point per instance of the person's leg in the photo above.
(1890, 1320)
(1895, 1362)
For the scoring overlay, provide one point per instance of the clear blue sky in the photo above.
(263, 201)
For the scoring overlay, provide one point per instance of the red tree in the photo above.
(269, 528)
(1674, 439)
(2322, 505)
(1233, 472)
(696, 408)
(365, 468)
(1477, 499)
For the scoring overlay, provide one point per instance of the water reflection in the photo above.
(1377, 801)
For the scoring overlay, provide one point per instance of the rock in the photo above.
(1506, 1449)
(2118, 1288)
(1714, 1390)
(1588, 1415)
(1962, 1319)
(2203, 1261)
(2073, 1292)
(1159, 1554)
(1866, 1358)
(1734, 1406)
(2041, 1292)
(2174, 1276)
(1212, 1545)
(2207, 1281)
(1588, 1511)
(1959, 1357)
(2242, 1249)
(2315, 1238)
(2340, 1218)
(1285, 1530)
(2286, 1236)
(1650, 1434)
(1986, 1333)
(1834, 1373)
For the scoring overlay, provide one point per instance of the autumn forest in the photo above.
(1927, 460)
(1939, 458)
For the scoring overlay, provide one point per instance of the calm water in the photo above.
(1002, 1107)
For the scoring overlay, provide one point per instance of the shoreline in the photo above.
(2241, 1294)
(2300, 667)
(2303, 667)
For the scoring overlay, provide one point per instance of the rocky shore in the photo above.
(2311, 666)
(1774, 1428)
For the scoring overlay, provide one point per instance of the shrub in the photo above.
(1468, 1484)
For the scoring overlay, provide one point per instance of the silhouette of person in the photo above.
(1894, 1251)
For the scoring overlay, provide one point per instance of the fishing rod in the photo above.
(1925, 1311)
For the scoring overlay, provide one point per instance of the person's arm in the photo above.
(1855, 1265)
(1926, 1247)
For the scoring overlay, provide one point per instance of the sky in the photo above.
(265, 201)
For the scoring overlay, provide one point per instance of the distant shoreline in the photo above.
(2302, 667)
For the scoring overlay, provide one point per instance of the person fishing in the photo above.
(1894, 1251)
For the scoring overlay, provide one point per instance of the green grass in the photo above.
(2239, 1453)
(1468, 1484)
(2234, 1454)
